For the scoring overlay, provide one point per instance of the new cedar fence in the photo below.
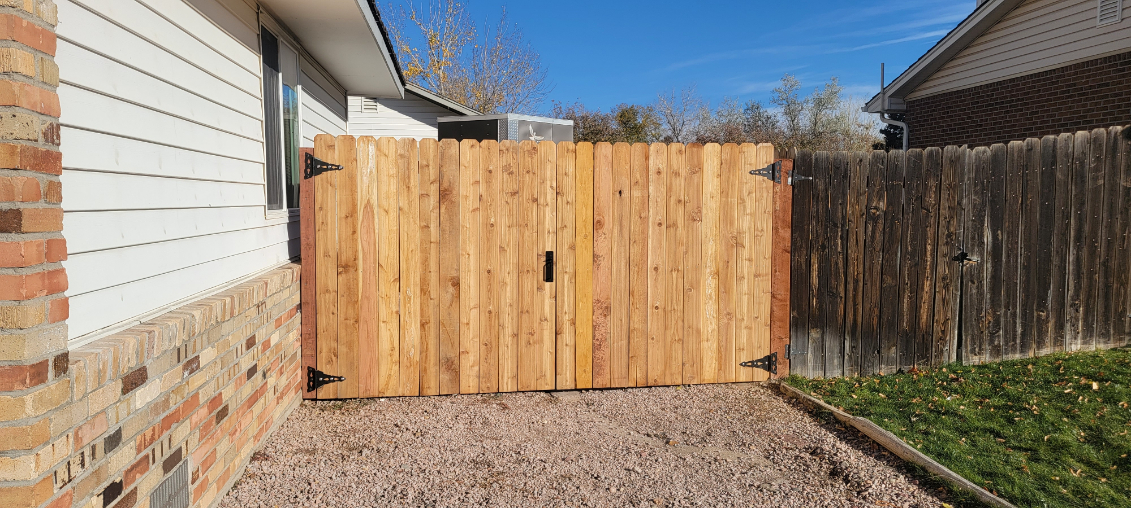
(426, 267)
(922, 258)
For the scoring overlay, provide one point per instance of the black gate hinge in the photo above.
(772, 172)
(768, 363)
(794, 177)
(315, 379)
(963, 257)
(315, 166)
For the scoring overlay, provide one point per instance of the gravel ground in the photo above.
(708, 445)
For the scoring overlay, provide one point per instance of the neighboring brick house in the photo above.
(149, 296)
(1016, 69)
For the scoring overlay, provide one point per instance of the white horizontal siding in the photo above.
(163, 158)
(321, 111)
(1037, 35)
(411, 117)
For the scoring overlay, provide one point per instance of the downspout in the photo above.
(884, 107)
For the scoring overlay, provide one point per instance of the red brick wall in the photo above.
(1082, 96)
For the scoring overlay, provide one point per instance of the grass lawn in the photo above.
(1049, 431)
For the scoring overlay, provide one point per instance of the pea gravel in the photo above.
(707, 445)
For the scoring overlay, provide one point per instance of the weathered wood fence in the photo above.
(921, 258)
(426, 266)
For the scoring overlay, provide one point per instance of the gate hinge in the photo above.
(315, 166)
(316, 379)
(963, 257)
(772, 172)
(768, 363)
(794, 177)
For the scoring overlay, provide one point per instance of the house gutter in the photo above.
(884, 107)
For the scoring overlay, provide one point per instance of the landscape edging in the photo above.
(895, 445)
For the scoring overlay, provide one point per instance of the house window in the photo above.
(280, 122)
(1109, 12)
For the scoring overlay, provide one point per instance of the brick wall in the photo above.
(1082, 96)
(172, 407)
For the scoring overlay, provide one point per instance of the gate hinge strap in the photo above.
(316, 166)
(316, 379)
(772, 172)
(768, 363)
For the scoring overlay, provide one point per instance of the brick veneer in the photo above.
(1081, 96)
(105, 424)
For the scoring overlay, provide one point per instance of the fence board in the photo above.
(489, 255)
(469, 222)
(819, 264)
(1063, 216)
(638, 268)
(911, 257)
(547, 234)
(693, 266)
(620, 223)
(408, 180)
(996, 198)
(874, 227)
(657, 252)
(799, 263)
(1078, 194)
(602, 264)
(1105, 290)
(1093, 257)
(730, 175)
(950, 242)
(326, 244)
(1027, 292)
(1012, 245)
(974, 323)
(428, 164)
(348, 282)
(584, 235)
(309, 274)
(836, 233)
(565, 266)
(529, 270)
(388, 269)
(889, 287)
(779, 266)
(675, 245)
(924, 342)
(369, 380)
(449, 267)
(745, 308)
(854, 303)
(1045, 229)
(510, 245)
(1122, 269)
(762, 268)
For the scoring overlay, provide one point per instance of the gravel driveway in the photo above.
(708, 445)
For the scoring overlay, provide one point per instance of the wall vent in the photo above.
(174, 491)
(369, 105)
(1109, 12)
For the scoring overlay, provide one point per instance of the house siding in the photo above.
(411, 117)
(162, 113)
(1082, 96)
(1037, 35)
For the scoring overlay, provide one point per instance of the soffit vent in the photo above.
(1109, 12)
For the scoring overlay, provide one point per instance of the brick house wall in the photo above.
(1082, 96)
(169, 409)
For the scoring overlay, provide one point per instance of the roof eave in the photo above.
(441, 101)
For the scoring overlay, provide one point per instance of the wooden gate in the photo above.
(444, 267)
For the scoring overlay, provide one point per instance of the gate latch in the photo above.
(315, 166)
(772, 172)
(767, 363)
(315, 379)
(548, 268)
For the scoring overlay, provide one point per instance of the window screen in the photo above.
(272, 118)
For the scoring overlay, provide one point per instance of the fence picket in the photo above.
(369, 380)
(693, 266)
(911, 258)
(1029, 278)
(620, 240)
(889, 286)
(854, 307)
(657, 267)
(924, 342)
(510, 248)
(428, 165)
(388, 270)
(326, 244)
(584, 235)
(408, 180)
(799, 264)
(489, 255)
(602, 264)
(675, 246)
(638, 268)
(449, 267)
(565, 266)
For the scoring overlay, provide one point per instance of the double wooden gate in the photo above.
(443, 267)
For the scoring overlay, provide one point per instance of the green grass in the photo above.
(1051, 431)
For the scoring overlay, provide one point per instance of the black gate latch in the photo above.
(772, 172)
(315, 166)
(315, 379)
(548, 268)
(767, 363)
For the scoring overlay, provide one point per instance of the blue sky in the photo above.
(603, 53)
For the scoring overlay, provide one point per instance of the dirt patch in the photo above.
(714, 445)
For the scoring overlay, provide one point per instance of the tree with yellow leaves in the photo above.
(492, 70)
